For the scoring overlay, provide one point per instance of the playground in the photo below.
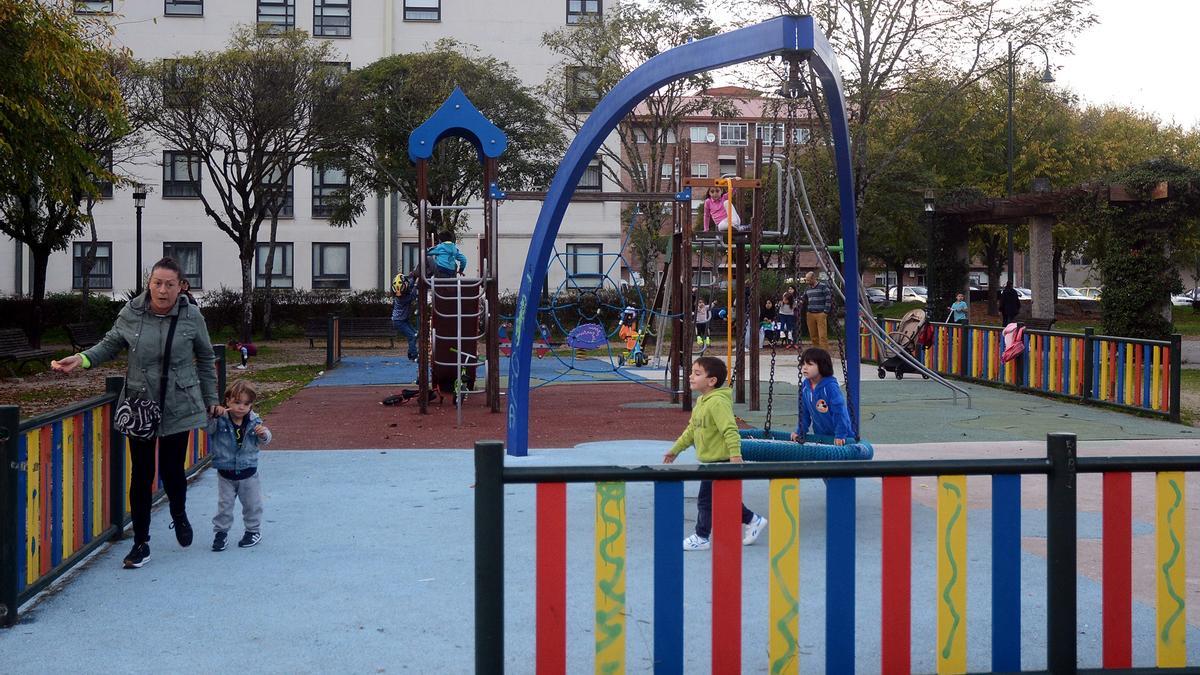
(1024, 513)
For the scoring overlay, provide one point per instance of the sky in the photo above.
(1140, 54)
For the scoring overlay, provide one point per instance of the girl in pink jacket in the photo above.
(714, 211)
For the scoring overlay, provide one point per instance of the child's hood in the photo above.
(719, 393)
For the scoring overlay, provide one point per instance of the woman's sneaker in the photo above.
(219, 541)
(696, 543)
(139, 555)
(183, 530)
(249, 539)
(751, 530)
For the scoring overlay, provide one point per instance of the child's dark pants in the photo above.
(704, 510)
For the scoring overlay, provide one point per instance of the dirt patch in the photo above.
(39, 391)
(322, 418)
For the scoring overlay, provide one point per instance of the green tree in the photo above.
(56, 75)
(379, 106)
(596, 54)
(247, 116)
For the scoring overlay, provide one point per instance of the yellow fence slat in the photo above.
(784, 610)
(952, 574)
(610, 577)
(1171, 570)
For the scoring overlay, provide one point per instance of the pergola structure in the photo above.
(1039, 210)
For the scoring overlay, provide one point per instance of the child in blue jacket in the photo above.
(822, 404)
(448, 261)
(234, 437)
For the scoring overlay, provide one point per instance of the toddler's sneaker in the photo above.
(139, 555)
(751, 530)
(249, 539)
(219, 541)
(696, 543)
(240, 366)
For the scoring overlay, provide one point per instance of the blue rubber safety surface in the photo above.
(356, 371)
(366, 565)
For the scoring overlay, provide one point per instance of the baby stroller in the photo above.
(911, 335)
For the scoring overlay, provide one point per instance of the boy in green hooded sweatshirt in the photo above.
(713, 430)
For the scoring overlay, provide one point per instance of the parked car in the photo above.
(1186, 298)
(1068, 293)
(913, 294)
(1090, 292)
(1023, 293)
(878, 296)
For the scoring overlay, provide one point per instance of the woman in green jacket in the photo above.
(142, 328)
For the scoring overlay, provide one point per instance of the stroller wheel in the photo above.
(882, 373)
(899, 375)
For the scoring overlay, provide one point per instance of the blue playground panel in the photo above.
(359, 371)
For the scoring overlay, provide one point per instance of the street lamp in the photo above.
(930, 238)
(1046, 78)
(139, 201)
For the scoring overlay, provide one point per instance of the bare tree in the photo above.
(241, 117)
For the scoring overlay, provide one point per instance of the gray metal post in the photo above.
(10, 421)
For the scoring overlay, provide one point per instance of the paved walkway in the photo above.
(366, 566)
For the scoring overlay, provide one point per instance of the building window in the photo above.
(584, 262)
(591, 179)
(188, 255)
(411, 256)
(331, 18)
(733, 133)
(666, 170)
(700, 171)
(101, 274)
(583, 89)
(184, 8)
(801, 134)
(279, 187)
(699, 134)
(578, 10)
(276, 16)
(281, 265)
(728, 167)
(331, 265)
(181, 175)
(771, 133)
(422, 10)
(105, 186)
(93, 6)
(327, 182)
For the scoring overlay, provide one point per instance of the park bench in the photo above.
(83, 335)
(1039, 324)
(351, 328)
(16, 350)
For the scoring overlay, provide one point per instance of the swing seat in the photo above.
(777, 446)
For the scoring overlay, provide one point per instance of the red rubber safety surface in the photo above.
(561, 416)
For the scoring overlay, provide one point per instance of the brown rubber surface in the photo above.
(561, 416)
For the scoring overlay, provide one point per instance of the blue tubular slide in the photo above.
(777, 446)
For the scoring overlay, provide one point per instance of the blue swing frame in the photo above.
(790, 36)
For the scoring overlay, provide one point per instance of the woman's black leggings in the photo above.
(171, 451)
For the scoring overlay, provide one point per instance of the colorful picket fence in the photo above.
(65, 491)
(1127, 372)
(613, 561)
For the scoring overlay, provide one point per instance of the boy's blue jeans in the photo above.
(409, 331)
(704, 510)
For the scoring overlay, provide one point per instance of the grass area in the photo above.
(294, 378)
(899, 309)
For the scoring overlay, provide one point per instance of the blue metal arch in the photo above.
(457, 116)
(789, 35)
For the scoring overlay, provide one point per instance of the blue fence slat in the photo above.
(86, 450)
(1095, 356)
(668, 578)
(1147, 373)
(839, 572)
(1006, 573)
(56, 497)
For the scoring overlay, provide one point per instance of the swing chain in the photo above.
(770, 394)
(841, 337)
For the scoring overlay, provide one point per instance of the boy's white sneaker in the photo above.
(751, 530)
(696, 543)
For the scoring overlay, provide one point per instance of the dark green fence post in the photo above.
(1060, 554)
(10, 437)
(489, 557)
(222, 364)
(1176, 374)
(333, 342)
(1089, 375)
(116, 468)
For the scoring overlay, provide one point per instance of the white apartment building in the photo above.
(310, 252)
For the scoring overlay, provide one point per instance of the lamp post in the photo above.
(1046, 78)
(139, 201)
(930, 238)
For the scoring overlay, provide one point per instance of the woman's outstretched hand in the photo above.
(68, 364)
